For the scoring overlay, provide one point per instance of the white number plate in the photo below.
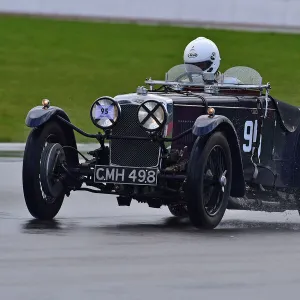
(125, 175)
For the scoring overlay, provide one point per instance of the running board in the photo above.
(259, 205)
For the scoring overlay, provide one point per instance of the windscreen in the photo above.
(186, 73)
(241, 75)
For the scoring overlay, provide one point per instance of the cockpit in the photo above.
(188, 77)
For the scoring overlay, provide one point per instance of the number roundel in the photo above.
(105, 112)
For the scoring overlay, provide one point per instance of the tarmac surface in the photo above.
(97, 250)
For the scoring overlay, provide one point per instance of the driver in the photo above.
(205, 54)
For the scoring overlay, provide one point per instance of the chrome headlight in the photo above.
(152, 115)
(105, 112)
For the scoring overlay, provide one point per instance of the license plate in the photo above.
(125, 175)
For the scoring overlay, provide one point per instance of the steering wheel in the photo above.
(188, 74)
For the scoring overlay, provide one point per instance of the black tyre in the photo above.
(40, 205)
(209, 181)
(178, 210)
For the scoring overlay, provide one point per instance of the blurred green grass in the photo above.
(74, 62)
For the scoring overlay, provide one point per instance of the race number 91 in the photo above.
(250, 136)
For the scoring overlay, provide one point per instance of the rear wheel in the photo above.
(40, 202)
(209, 181)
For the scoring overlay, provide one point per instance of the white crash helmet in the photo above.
(203, 53)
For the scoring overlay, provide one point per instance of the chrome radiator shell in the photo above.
(132, 153)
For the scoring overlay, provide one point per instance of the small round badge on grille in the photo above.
(105, 112)
(152, 115)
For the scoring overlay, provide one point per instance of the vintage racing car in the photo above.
(191, 143)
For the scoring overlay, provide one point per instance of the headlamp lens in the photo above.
(152, 115)
(105, 112)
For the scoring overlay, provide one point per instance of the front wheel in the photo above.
(40, 202)
(209, 181)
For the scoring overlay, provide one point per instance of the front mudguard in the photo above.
(38, 116)
(204, 126)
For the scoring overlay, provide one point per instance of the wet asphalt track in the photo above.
(96, 250)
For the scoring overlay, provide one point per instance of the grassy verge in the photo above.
(73, 63)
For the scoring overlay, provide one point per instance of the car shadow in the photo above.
(166, 225)
(56, 227)
(226, 227)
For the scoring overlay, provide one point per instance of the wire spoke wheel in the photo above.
(41, 203)
(213, 190)
(47, 198)
(209, 179)
(51, 175)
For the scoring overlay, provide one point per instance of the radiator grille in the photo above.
(132, 153)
